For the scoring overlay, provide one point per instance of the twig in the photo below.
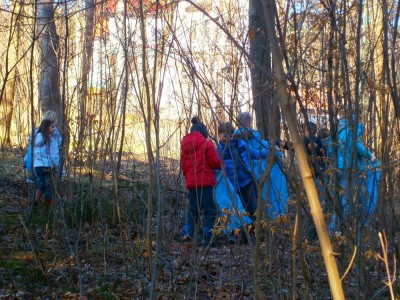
(385, 259)
(351, 263)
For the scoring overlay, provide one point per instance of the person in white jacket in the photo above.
(46, 157)
(28, 159)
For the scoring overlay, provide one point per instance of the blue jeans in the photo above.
(248, 194)
(44, 180)
(201, 200)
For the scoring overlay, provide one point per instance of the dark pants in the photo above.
(248, 194)
(44, 180)
(201, 200)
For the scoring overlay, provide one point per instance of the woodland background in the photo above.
(125, 78)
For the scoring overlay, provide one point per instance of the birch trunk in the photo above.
(305, 171)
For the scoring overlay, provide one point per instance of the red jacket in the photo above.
(199, 159)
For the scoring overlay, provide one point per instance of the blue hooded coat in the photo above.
(365, 174)
(369, 179)
(345, 140)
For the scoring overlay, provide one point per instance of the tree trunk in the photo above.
(264, 105)
(84, 106)
(49, 89)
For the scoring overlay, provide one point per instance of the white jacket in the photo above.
(45, 155)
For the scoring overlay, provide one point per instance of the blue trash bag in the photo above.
(232, 212)
(371, 181)
(277, 190)
(367, 183)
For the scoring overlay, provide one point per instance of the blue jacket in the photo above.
(345, 140)
(276, 191)
(253, 138)
(237, 156)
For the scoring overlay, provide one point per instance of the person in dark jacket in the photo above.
(314, 148)
(237, 155)
(199, 159)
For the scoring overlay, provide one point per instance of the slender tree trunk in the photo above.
(84, 106)
(305, 171)
(390, 64)
(62, 120)
(337, 204)
(146, 107)
(9, 75)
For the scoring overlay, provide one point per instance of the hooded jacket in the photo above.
(345, 142)
(253, 138)
(199, 159)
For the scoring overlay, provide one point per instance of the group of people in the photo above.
(43, 157)
(224, 179)
(242, 155)
(358, 174)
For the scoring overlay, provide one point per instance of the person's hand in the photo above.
(373, 158)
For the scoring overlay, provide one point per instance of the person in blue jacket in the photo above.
(236, 155)
(370, 177)
(351, 167)
(277, 187)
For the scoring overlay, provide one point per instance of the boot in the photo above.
(47, 202)
(38, 195)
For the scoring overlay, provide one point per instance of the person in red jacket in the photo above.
(199, 159)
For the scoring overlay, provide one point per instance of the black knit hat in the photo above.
(199, 127)
(244, 118)
(312, 127)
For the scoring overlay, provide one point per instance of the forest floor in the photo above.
(90, 246)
